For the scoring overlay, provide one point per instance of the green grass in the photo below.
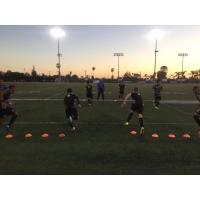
(101, 145)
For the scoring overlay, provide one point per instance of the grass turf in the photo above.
(101, 145)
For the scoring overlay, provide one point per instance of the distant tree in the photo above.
(127, 76)
(34, 73)
(93, 69)
(179, 75)
(136, 75)
(162, 73)
(112, 71)
(164, 69)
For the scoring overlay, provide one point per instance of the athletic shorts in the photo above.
(157, 97)
(137, 108)
(89, 95)
(121, 92)
(7, 111)
(71, 112)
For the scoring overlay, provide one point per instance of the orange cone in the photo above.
(172, 136)
(133, 132)
(45, 135)
(9, 136)
(155, 136)
(28, 135)
(186, 136)
(61, 135)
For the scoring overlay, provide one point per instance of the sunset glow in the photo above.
(88, 46)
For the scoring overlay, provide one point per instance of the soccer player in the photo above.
(196, 91)
(89, 93)
(71, 111)
(101, 89)
(7, 109)
(137, 106)
(2, 105)
(157, 94)
(121, 90)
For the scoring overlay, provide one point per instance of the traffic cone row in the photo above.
(155, 135)
(29, 135)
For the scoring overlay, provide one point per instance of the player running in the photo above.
(157, 94)
(70, 108)
(137, 106)
(121, 90)
(7, 109)
(196, 91)
(89, 93)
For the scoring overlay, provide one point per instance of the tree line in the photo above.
(162, 74)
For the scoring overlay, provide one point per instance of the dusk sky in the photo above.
(21, 47)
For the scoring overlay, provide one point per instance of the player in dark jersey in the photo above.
(137, 106)
(196, 91)
(8, 109)
(89, 93)
(157, 94)
(121, 90)
(71, 111)
(2, 104)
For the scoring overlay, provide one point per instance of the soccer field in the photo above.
(101, 145)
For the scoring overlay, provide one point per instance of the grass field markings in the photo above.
(99, 123)
(179, 110)
(57, 94)
(110, 100)
(181, 93)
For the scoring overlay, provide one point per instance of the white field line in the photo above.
(102, 123)
(114, 100)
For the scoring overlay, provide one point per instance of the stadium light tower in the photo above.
(182, 55)
(58, 33)
(118, 55)
(155, 35)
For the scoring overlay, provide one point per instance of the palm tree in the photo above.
(164, 69)
(112, 71)
(93, 69)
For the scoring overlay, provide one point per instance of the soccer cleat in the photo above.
(73, 128)
(156, 107)
(126, 123)
(142, 131)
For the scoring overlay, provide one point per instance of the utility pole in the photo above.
(118, 55)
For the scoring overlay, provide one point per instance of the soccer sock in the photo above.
(141, 122)
(71, 122)
(103, 95)
(196, 118)
(13, 118)
(129, 116)
(89, 101)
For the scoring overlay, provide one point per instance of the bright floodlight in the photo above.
(57, 33)
(155, 34)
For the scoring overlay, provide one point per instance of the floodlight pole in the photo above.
(58, 65)
(182, 55)
(155, 63)
(118, 55)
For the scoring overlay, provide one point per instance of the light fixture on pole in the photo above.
(182, 55)
(155, 35)
(58, 33)
(118, 55)
(155, 62)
